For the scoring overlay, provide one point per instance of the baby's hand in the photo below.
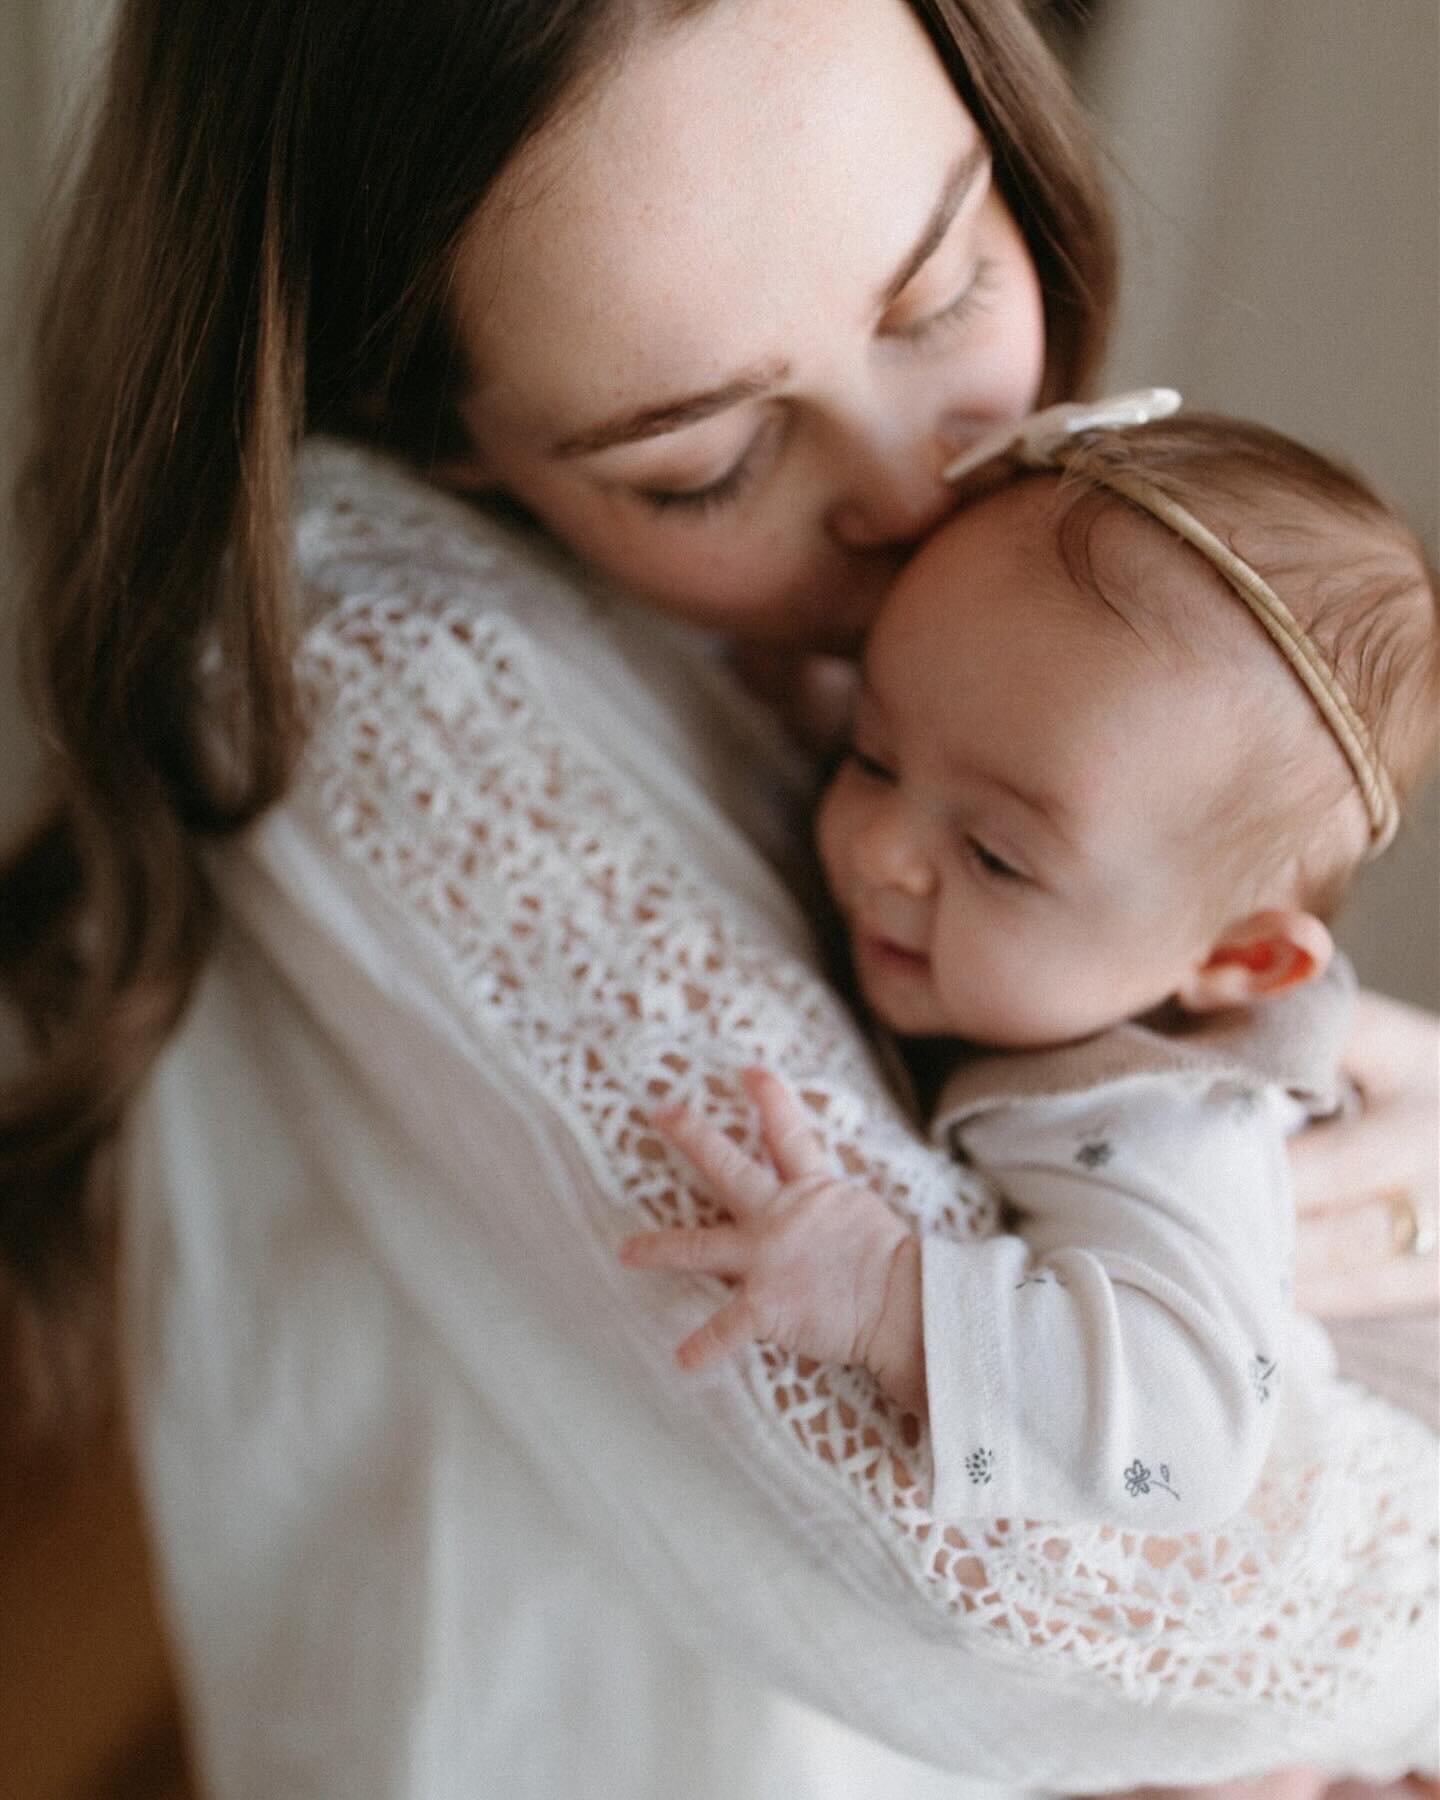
(823, 1265)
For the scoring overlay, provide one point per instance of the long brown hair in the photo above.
(256, 245)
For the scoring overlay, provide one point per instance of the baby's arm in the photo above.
(824, 1266)
(1117, 1362)
(1121, 1359)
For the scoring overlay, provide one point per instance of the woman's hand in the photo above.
(823, 1266)
(1367, 1187)
(1294, 1784)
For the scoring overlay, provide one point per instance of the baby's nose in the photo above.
(894, 858)
(916, 878)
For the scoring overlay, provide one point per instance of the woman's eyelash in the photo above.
(702, 499)
(968, 300)
(728, 488)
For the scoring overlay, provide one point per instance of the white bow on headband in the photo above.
(1039, 441)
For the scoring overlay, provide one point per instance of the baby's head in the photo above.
(1083, 778)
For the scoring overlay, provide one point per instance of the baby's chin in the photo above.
(1013, 1032)
(901, 992)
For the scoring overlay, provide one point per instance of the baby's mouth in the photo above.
(887, 953)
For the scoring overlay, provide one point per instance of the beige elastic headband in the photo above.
(1047, 439)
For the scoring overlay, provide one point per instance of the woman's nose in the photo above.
(892, 855)
(892, 494)
(887, 514)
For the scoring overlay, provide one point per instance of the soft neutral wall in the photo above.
(1278, 168)
(46, 47)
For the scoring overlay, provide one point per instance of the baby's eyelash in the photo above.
(869, 766)
(991, 863)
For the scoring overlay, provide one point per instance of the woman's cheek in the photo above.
(1013, 349)
(615, 531)
(709, 569)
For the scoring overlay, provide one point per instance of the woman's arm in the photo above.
(1365, 1186)
(507, 897)
(776, 1516)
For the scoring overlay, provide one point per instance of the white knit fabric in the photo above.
(436, 1514)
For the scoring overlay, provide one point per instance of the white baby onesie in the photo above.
(1118, 1355)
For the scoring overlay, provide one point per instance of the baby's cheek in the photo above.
(1020, 986)
(1041, 990)
(832, 834)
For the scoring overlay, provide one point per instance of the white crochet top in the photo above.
(436, 1514)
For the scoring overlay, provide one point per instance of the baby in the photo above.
(1128, 723)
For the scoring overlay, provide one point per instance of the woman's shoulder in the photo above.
(421, 611)
(436, 636)
(368, 525)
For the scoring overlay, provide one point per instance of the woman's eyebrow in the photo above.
(671, 415)
(959, 183)
(665, 416)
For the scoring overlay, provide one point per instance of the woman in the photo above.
(711, 290)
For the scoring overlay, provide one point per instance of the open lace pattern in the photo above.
(440, 766)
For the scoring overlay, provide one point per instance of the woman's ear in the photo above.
(468, 471)
(467, 474)
(1258, 957)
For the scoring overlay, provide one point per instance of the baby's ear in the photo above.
(1258, 957)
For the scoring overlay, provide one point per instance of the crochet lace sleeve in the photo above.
(563, 931)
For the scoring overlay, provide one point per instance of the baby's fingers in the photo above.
(787, 1126)
(744, 1185)
(711, 1250)
(727, 1331)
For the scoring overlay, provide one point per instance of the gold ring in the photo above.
(1410, 1234)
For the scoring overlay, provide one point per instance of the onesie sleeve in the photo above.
(1118, 1357)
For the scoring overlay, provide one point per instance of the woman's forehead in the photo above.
(758, 170)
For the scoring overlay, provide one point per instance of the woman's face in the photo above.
(730, 316)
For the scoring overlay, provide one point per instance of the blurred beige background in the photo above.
(1278, 167)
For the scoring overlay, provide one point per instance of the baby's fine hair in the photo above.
(1354, 575)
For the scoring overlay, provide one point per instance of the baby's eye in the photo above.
(991, 863)
(870, 766)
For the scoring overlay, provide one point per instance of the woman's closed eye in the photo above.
(725, 489)
(720, 492)
(955, 312)
(731, 486)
